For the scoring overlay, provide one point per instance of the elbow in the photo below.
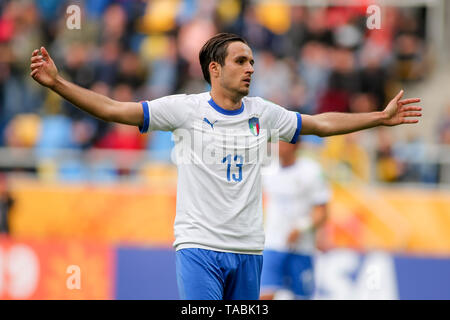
(316, 125)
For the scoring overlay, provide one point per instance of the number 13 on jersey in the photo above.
(234, 163)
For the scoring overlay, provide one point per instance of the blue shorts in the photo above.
(286, 270)
(212, 275)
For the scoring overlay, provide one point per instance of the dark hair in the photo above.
(215, 49)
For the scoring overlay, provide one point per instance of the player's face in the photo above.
(237, 71)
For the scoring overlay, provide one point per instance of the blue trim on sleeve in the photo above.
(225, 111)
(146, 122)
(297, 131)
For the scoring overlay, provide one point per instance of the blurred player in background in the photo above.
(219, 233)
(297, 197)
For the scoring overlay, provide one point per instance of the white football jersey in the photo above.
(291, 193)
(219, 154)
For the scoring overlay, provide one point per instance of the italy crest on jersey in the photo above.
(253, 124)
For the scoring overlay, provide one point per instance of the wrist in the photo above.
(382, 117)
(57, 83)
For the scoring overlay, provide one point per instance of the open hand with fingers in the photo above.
(400, 111)
(43, 69)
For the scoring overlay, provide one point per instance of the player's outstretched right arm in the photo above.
(333, 123)
(44, 71)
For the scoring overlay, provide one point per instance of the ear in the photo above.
(214, 69)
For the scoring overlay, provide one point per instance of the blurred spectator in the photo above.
(388, 169)
(296, 99)
(297, 31)
(314, 69)
(130, 70)
(373, 74)
(160, 146)
(345, 159)
(23, 131)
(274, 88)
(94, 9)
(121, 136)
(107, 63)
(49, 9)
(55, 134)
(114, 24)
(275, 18)
(410, 61)
(191, 37)
(161, 57)
(343, 80)
(78, 65)
(316, 27)
(347, 36)
(257, 35)
(362, 102)
(414, 158)
(160, 15)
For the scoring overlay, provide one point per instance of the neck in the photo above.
(226, 100)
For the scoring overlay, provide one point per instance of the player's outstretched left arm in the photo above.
(334, 123)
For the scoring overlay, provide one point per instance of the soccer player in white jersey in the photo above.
(297, 196)
(219, 234)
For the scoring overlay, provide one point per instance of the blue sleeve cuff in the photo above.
(297, 131)
(146, 122)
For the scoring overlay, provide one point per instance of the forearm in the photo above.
(313, 221)
(319, 215)
(335, 123)
(93, 103)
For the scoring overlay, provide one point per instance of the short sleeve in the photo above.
(145, 123)
(165, 114)
(287, 123)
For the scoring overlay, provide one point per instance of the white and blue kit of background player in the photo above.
(219, 233)
(291, 194)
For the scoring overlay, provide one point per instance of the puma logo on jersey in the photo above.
(211, 124)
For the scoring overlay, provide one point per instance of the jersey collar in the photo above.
(225, 111)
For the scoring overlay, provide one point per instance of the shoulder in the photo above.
(260, 102)
(263, 107)
(183, 103)
(197, 97)
(175, 98)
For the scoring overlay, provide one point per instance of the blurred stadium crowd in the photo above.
(310, 59)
